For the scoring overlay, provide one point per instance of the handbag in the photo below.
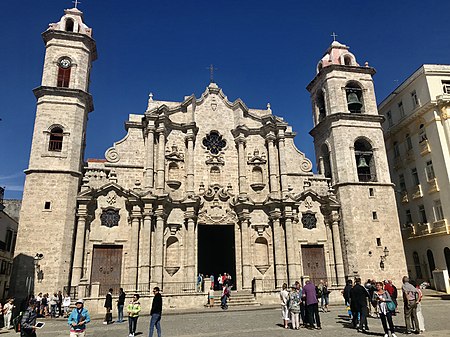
(391, 306)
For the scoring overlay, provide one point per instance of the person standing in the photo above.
(346, 293)
(224, 297)
(133, 309)
(7, 313)
(66, 305)
(28, 321)
(78, 319)
(211, 297)
(294, 306)
(199, 282)
(324, 301)
(59, 303)
(53, 303)
(108, 307)
(212, 280)
(220, 281)
(312, 305)
(120, 305)
(410, 296)
(284, 297)
(155, 313)
(358, 305)
(302, 302)
(380, 298)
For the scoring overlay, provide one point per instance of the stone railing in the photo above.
(424, 147)
(417, 192)
(433, 186)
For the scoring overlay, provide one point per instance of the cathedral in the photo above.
(203, 185)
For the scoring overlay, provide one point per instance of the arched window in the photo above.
(257, 175)
(56, 139)
(422, 133)
(173, 171)
(319, 66)
(347, 60)
(365, 162)
(417, 265)
(261, 252)
(431, 263)
(325, 152)
(215, 175)
(64, 69)
(172, 252)
(354, 97)
(320, 102)
(69, 25)
(447, 257)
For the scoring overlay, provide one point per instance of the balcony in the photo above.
(424, 147)
(405, 197)
(417, 192)
(433, 186)
(412, 231)
(440, 227)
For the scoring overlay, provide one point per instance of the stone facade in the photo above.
(135, 218)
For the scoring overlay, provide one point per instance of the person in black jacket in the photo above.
(346, 293)
(28, 321)
(156, 312)
(358, 305)
(120, 305)
(108, 306)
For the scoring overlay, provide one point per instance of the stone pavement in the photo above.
(261, 322)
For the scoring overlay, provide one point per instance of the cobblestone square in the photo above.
(263, 322)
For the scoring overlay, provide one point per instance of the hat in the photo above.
(80, 301)
(293, 285)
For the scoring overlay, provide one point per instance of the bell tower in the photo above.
(350, 151)
(47, 221)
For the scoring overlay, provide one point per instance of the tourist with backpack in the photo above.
(382, 299)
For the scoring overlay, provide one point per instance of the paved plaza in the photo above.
(261, 322)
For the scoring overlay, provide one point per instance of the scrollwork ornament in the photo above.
(112, 155)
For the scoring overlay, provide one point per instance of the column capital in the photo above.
(275, 215)
(190, 215)
(270, 137)
(160, 214)
(240, 139)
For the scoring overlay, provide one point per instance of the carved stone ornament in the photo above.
(308, 202)
(309, 220)
(260, 228)
(111, 198)
(262, 268)
(256, 159)
(215, 160)
(214, 142)
(174, 154)
(172, 270)
(110, 217)
(214, 104)
(112, 155)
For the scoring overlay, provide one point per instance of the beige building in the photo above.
(8, 235)
(204, 185)
(417, 132)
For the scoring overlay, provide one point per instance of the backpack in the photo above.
(318, 292)
(16, 322)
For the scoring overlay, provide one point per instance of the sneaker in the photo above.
(386, 335)
(105, 322)
(393, 335)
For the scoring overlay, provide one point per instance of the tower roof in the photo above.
(72, 21)
(337, 53)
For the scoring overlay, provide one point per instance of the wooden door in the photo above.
(313, 258)
(107, 267)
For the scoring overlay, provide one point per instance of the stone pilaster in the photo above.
(78, 258)
(145, 238)
(161, 159)
(132, 268)
(280, 250)
(340, 274)
(190, 272)
(157, 264)
(283, 168)
(242, 169)
(273, 166)
(292, 256)
(149, 156)
(190, 162)
(245, 251)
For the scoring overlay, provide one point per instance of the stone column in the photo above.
(282, 156)
(242, 167)
(190, 162)
(273, 179)
(280, 250)
(340, 274)
(245, 252)
(78, 258)
(145, 238)
(331, 263)
(149, 156)
(161, 159)
(292, 257)
(133, 252)
(190, 272)
(157, 276)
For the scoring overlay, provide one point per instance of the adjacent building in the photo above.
(417, 133)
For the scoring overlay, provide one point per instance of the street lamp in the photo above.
(40, 274)
(383, 257)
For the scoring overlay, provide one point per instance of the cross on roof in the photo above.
(334, 36)
(211, 73)
(76, 2)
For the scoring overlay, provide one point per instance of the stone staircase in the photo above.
(242, 298)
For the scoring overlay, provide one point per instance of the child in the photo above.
(211, 297)
(134, 308)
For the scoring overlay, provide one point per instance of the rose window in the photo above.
(214, 142)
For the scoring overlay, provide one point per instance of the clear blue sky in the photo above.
(266, 51)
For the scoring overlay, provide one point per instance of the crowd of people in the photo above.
(213, 282)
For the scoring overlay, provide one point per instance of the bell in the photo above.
(353, 102)
(362, 162)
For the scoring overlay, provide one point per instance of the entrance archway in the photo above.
(216, 251)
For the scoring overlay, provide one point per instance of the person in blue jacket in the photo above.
(78, 319)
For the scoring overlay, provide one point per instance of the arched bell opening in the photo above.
(365, 162)
(354, 94)
(325, 154)
(320, 106)
(69, 25)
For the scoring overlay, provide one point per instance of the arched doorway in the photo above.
(431, 263)
(447, 257)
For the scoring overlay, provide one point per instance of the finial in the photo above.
(211, 73)
(366, 64)
(334, 36)
(76, 2)
(268, 107)
(150, 96)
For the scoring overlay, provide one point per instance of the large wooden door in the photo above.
(313, 259)
(107, 267)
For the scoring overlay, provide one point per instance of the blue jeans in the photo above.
(120, 312)
(155, 320)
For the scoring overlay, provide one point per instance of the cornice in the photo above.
(326, 123)
(65, 92)
(71, 36)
